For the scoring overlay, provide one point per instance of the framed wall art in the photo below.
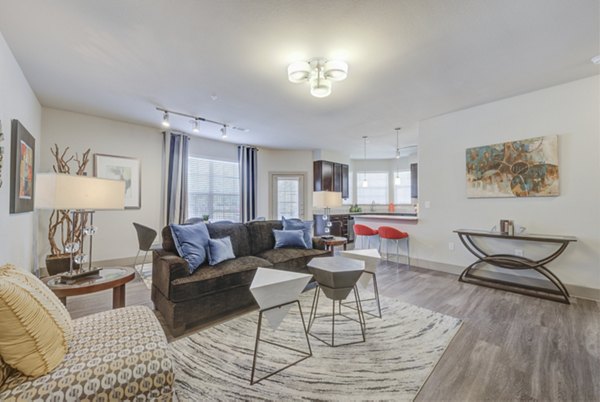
(122, 168)
(524, 168)
(22, 167)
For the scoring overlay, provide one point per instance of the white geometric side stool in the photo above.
(371, 257)
(275, 292)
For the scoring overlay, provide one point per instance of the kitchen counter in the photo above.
(386, 214)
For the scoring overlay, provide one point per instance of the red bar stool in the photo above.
(390, 233)
(363, 230)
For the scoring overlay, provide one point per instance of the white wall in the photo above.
(17, 101)
(572, 111)
(116, 236)
(278, 161)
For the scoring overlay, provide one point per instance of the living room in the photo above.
(425, 82)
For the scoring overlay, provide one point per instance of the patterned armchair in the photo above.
(115, 355)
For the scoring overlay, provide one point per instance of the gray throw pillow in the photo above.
(220, 250)
(289, 238)
(298, 224)
(191, 242)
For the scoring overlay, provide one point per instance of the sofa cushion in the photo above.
(237, 232)
(289, 238)
(191, 242)
(211, 279)
(298, 224)
(35, 327)
(115, 355)
(220, 250)
(281, 256)
(261, 235)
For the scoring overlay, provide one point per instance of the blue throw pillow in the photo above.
(191, 242)
(219, 250)
(297, 224)
(289, 238)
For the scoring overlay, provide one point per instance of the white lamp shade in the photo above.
(327, 199)
(298, 71)
(64, 191)
(320, 88)
(336, 70)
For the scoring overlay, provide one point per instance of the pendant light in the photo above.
(397, 180)
(365, 183)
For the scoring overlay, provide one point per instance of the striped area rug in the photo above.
(399, 354)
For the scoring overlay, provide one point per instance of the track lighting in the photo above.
(165, 122)
(196, 122)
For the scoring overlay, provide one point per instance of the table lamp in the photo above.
(80, 195)
(327, 200)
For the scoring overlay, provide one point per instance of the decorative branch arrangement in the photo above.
(60, 220)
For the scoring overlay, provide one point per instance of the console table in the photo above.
(513, 262)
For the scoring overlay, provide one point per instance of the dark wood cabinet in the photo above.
(339, 225)
(345, 182)
(414, 180)
(330, 176)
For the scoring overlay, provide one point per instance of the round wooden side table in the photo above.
(113, 278)
(336, 241)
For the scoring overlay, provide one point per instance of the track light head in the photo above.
(224, 132)
(165, 122)
(195, 128)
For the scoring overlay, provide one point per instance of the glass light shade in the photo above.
(336, 70)
(365, 183)
(320, 88)
(397, 180)
(298, 71)
(327, 199)
(64, 191)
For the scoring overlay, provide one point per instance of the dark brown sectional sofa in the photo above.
(187, 300)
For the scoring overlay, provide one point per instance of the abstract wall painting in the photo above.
(22, 167)
(122, 168)
(524, 168)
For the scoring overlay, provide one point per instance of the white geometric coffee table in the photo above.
(276, 291)
(371, 257)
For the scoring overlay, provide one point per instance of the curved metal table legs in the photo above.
(558, 293)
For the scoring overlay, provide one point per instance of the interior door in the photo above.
(287, 195)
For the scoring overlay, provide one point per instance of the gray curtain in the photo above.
(247, 158)
(177, 178)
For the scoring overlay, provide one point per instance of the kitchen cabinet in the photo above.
(330, 176)
(414, 181)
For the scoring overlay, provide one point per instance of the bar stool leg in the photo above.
(408, 250)
(398, 251)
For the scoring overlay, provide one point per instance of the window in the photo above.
(213, 189)
(376, 191)
(402, 190)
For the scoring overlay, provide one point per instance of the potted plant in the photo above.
(60, 225)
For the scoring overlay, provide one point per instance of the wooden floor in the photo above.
(510, 347)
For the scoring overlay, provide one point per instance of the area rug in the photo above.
(398, 356)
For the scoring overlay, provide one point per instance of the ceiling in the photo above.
(409, 60)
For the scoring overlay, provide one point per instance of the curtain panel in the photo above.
(247, 158)
(177, 178)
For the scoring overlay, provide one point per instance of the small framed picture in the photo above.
(122, 168)
(22, 161)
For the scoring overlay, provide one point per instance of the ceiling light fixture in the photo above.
(165, 121)
(397, 180)
(318, 73)
(224, 132)
(596, 59)
(195, 121)
(365, 183)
